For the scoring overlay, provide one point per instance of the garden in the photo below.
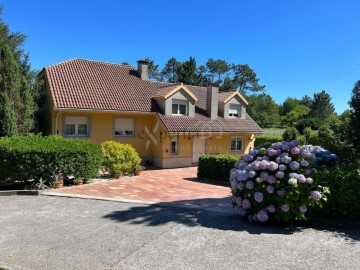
(40, 162)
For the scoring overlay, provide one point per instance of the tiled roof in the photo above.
(86, 84)
(224, 95)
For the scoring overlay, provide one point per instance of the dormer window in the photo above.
(234, 111)
(179, 107)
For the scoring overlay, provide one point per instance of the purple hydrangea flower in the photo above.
(278, 160)
(285, 208)
(285, 147)
(266, 158)
(281, 192)
(248, 167)
(271, 208)
(240, 186)
(269, 189)
(277, 145)
(303, 208)
(282, 167)
(271, 179)
(295, 151)
(273, 166)
(286, 159)
(307, 171)
(306, 154)
(248, 158)
(262, 216)
(279, 174)
(243, 175)
(254, 152)
(301, 179)
(264, 164)
(246, 204)
(316, 195)
(304, 163)
(271, 152)
(294, 165)
(256, 165)
(241, 211)
(258, 196)
(309, 181)
(264, 175)
(249, 184)
(259, 158)
(239, 201)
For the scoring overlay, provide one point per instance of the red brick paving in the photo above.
(172, 186)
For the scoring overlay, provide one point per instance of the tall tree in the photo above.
(216, 68)
(154, 73)
(246, 79)
(322, 106)
(263, 109)
(306, 101)
(188, 73)
(355, 117)
(228, 84)
(16, 80)
(170, 70)
(292, 111)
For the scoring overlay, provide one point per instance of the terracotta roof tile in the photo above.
(86, 84)
(224, 95)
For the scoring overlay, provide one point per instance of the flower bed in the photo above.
(276, 183)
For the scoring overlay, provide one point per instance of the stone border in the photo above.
(20, 192)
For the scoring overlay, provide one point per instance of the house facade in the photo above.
(170, 124)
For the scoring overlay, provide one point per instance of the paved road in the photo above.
(66, 233)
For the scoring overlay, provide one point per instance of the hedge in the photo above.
(25, 158)
(217, 166)
(343, 200)
(267, 139)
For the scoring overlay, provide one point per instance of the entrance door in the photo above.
(199, 148)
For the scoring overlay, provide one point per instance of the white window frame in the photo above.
(124, 130)
(179, 102)
(176, 141)
(235, 113)
(236, 138)
(75, 121)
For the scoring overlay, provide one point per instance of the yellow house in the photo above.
(169, 124)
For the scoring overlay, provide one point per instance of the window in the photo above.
(76, 126)
(124, 127)
(179, 107)
(234, 110)
(174, 146)
(236, 144)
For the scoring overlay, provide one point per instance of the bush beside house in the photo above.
(34, 157)
(216, 166)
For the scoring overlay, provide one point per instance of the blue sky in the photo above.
(297, 47)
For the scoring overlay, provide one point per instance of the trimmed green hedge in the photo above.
(217, 166)
(267, 139)
(32, 157)
(343, 200)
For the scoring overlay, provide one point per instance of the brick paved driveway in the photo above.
(170, 186)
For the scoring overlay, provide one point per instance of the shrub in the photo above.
(276, 183)
(35, 157)
(313, 123)
(343, 200)
(216, 166)
(119, 158)
(259, 141)
(290, 133)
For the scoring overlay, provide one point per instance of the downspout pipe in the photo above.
(56, 122)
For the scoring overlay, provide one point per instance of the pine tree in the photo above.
(246, 79)
(16, 84)
(355, 117)
(322, 106)
(170, 70)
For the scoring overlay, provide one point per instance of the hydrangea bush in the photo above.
(276, 183)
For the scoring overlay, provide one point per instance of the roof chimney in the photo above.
(212, 101)
(143, 69)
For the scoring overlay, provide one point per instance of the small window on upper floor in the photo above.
(179, 107)
(76, 126)
(235, 111)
